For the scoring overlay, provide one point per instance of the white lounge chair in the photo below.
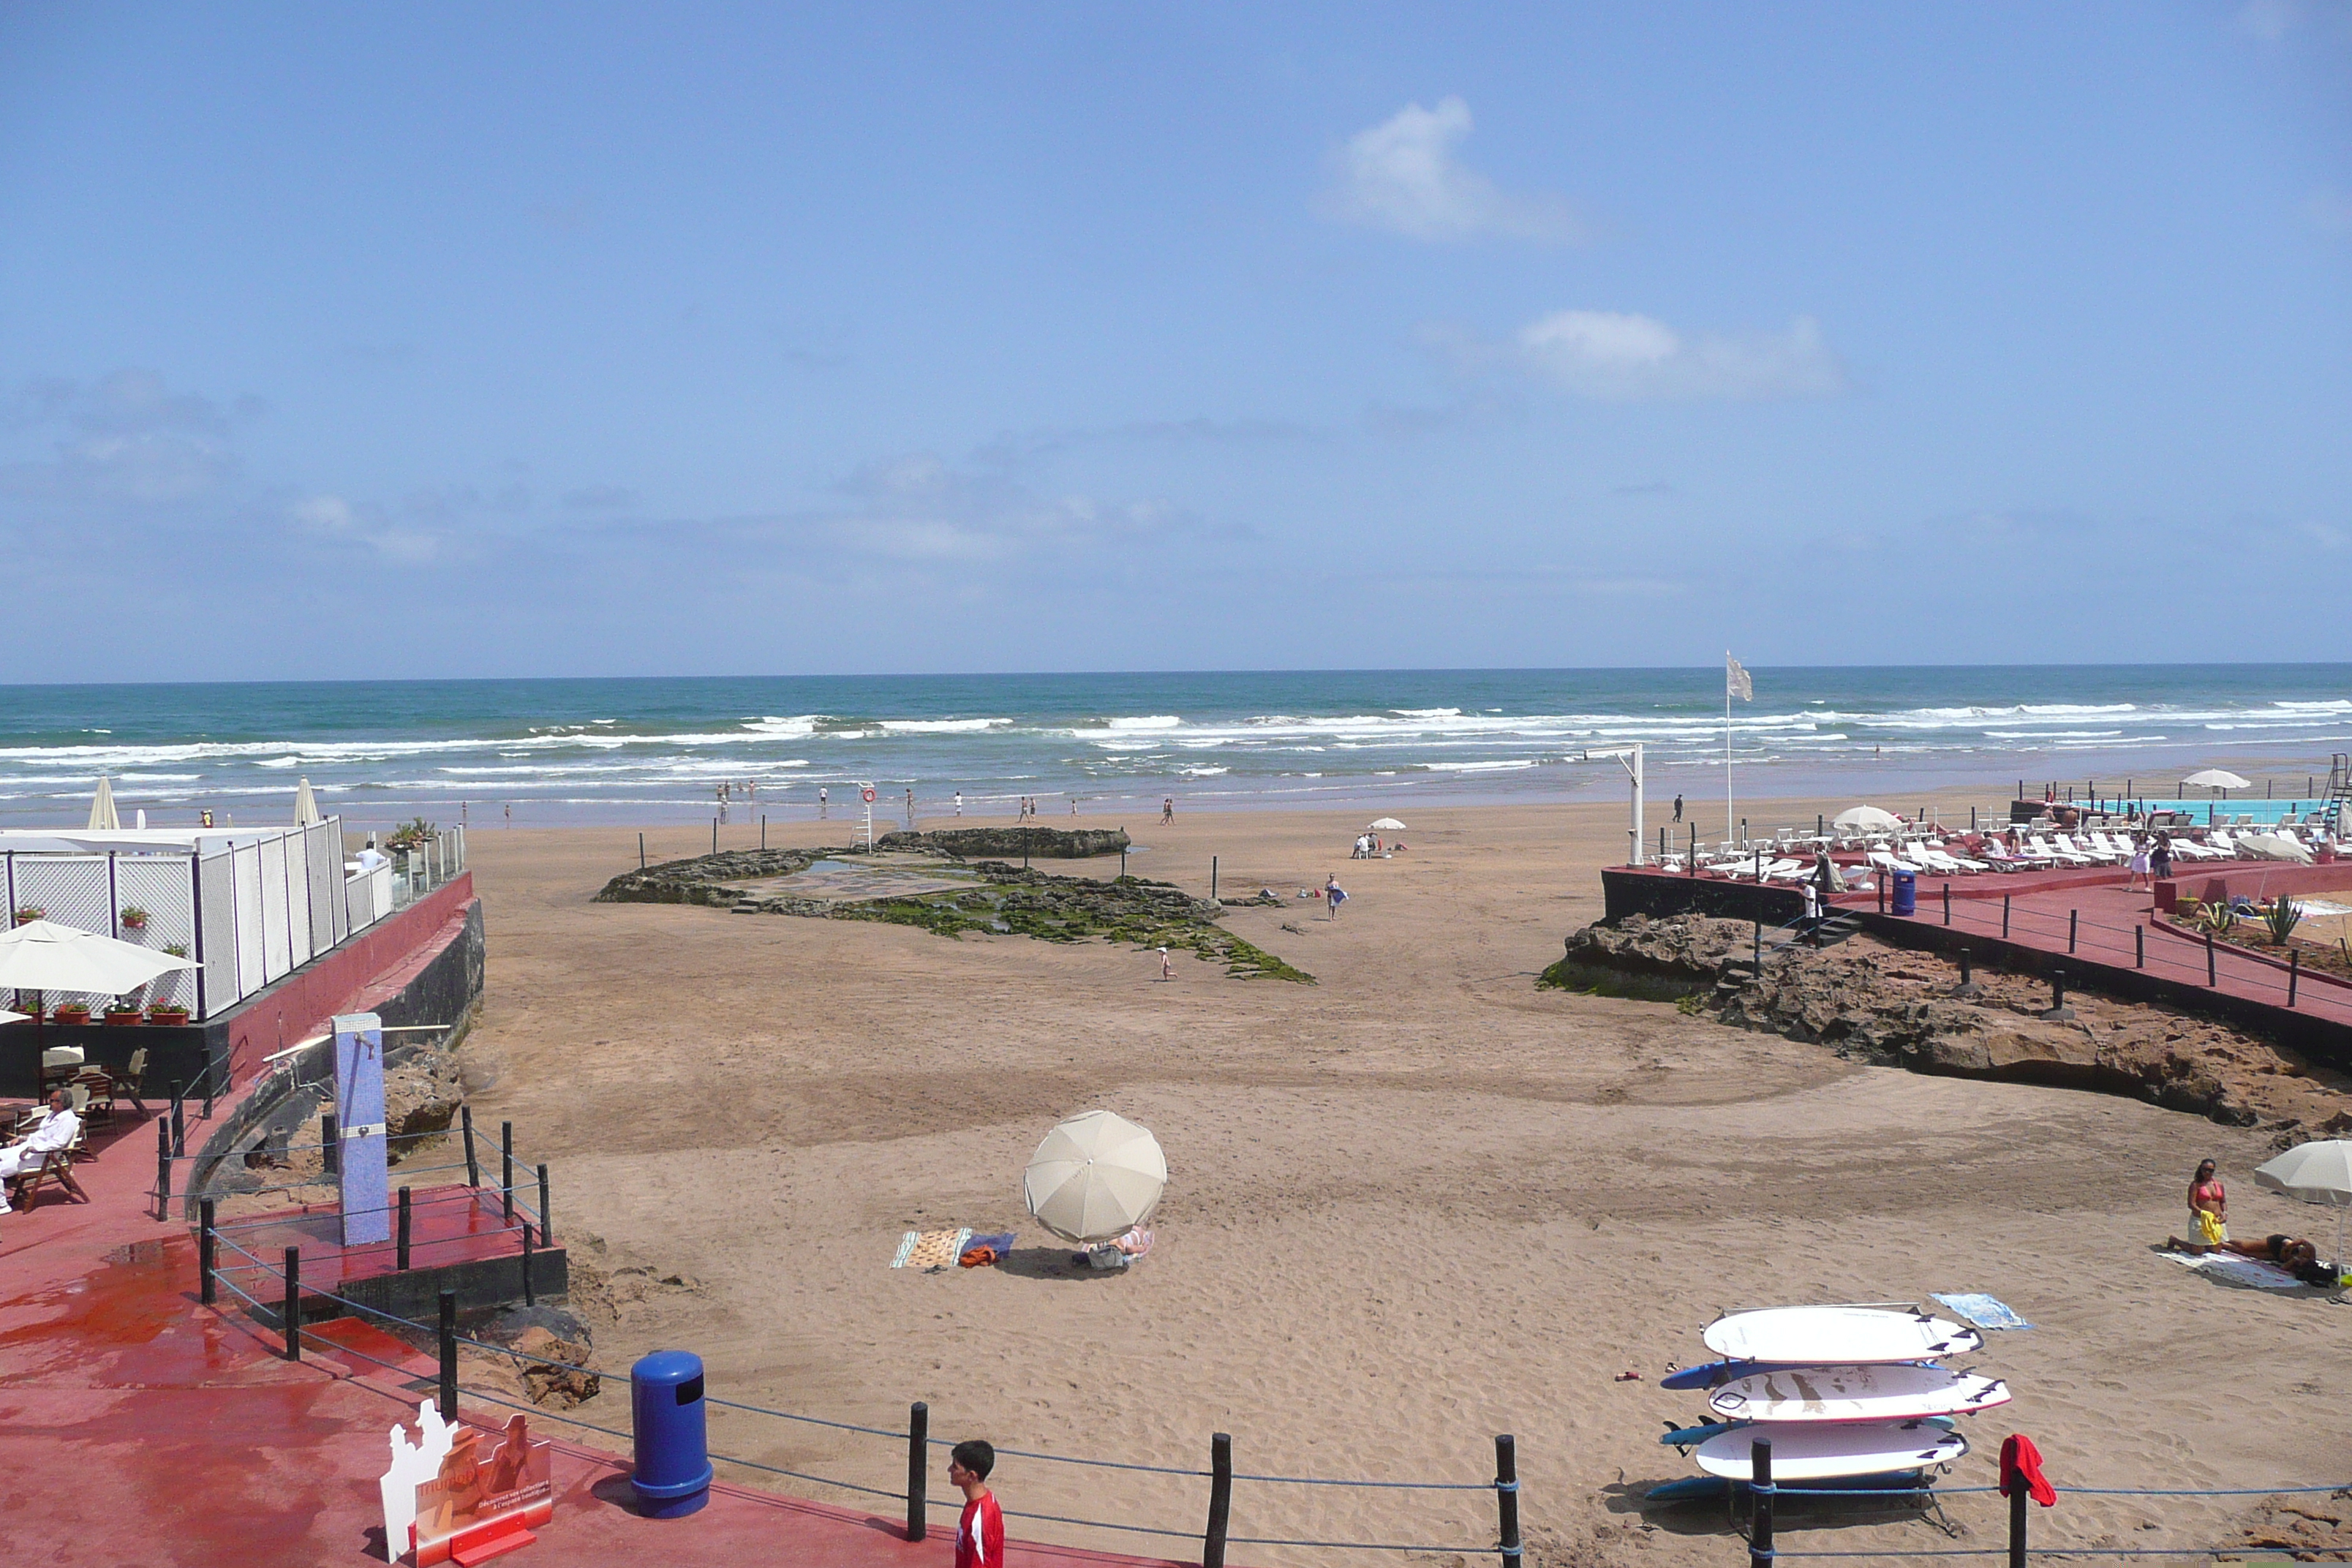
(2056, 857)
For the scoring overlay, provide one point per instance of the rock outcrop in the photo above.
(1042, 843)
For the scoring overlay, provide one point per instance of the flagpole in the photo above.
(1726, 747)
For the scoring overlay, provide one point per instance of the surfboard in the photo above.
(1822, 1450)
(1898, 1391)
(1692, 1436)
(1822, 1336)
(1713, 1488)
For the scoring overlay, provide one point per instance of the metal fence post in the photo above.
(918, 1437)
(2139, 947)
(546, 1226)
(2211, 977)
(529, 1297)
(2073, 918)
(207, 1254)
(473, 1165)
(2004, 917)
(1507, 1499)
(1221, 1500)
(400, 1246)
(449, 1355)
(292, 1321)
(179, 1126)
(1947, 903)
(506, 1174)
(1759, 1486)
(162, 1170)
(2293, 973)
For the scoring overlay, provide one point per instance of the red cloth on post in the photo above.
(2021, 1463)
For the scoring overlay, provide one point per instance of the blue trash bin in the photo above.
(1905, 897)
(673, 1444)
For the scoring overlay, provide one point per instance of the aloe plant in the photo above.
(2281, 918)
(2219, 918)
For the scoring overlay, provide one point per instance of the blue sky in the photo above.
(578, 340)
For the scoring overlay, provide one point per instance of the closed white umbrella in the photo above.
(2316, 1174)
(1866, 816)
(1094, 1176)
(1388, 824)
(306, 805)
(42, 955)
(101, 808)
(2218, 778)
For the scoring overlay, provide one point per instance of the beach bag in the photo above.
(2209, 1229)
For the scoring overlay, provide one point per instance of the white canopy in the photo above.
(42, 955)
(2218, 778)
(2275, 847)
(1867, 817)
(2317, 1173)
(8, 1018)
(1387, 825)
(101, 808)
(306, 805)
(1094, 1176)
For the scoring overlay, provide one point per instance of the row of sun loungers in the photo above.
(1769, 863)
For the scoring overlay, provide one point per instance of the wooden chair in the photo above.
(127, 1083)
(52, 1172)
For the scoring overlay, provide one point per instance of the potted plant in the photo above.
(71, 1012)
(133, 918)
(27, 915)
(172, 1013)
(123, 1010)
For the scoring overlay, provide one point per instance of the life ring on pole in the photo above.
(866, 796)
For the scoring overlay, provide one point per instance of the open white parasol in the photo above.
(2317, 1173)
(1866, 816)
(1094, 1176)
(2218, 778)
(42, 955)
(1387, 825)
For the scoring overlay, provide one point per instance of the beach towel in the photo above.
(2237, 1270)
(986, 1252)
(1983, 1312)
(930, 1249)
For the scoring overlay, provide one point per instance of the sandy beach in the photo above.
(1414, 1204)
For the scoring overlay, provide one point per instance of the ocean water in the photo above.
(540, 751)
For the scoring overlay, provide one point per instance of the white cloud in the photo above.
(1622, 357)
(333, 518)
(1403, 176)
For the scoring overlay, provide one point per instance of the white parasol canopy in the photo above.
(42, 955)
(1094, 1176)
(2218, 778)
(2275, 847)
(8, 1018)
(2317, 1173)
(1866, 816)
(1387, 825)
(101, 808)
(305, 806)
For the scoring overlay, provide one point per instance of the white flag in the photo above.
(1736, 681)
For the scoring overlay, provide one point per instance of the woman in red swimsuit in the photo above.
(2208, 1205)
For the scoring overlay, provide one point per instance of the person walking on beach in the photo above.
(980, 1533)
(1167, 966)
(2208, 1205)
(1334, 895)
(1168, 809)
(1678, 808)
(823, 799)
(959, 803)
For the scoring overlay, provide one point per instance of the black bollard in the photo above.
(1967, 985)
(449, 1355)
(1759, 1486)
(530, 1297)
(2293, 974)
(2004, 917)
(2059, 1011)
(292, 1321)
(473, 1166)
(546, 1226)
(1760, 950)
(207, 1254)
(641, 851)
(162, 1170)
(1507, 1498)
(179, 1126)
(763, 830)
(2139, 947)
(1213, 879)
(1947, 903)
(400, 1243)
(331, 1148)
(918, 1437)
(1221, 1500)
(714, 836)
(505, 1177)
(210, 1080)
(2211, 976)
(2073, 918)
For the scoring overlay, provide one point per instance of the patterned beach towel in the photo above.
(1984, 1311)
(2237, 1270)
(930, 1249)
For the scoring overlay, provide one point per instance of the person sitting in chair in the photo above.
(20, 1163)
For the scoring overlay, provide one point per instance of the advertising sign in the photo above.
(480, 1497)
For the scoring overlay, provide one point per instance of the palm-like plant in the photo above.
(2281, 918)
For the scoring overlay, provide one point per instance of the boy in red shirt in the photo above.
(980, 1534)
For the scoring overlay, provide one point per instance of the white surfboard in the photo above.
(1895, 1391)
(1821, 1450)
(1826, 1335)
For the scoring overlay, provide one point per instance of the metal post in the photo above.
(1213, 879)
(2004, 917)
(1947, 903)
(331, 1150)
(2057, 991)
(714, 836)
(208, 1254)
(162, 1170)
(546, 1227)
(2018, 1493)
(1760, 1485)
(506, 1178)
(2073, 918)
(641, 851)
(400, 1246)
(2212, 978)
(179, 1126)
(2294, 971)
(292, 1321)
(1507, 1498)
(1221, 1499)
(918, 1470)
(763, 830)
(449, 1355)
(2139, 947)
(212, 1080)
(530, 1297)
(1760, 950)
(473, 1166)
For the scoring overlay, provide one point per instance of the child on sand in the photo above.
(980, 1533)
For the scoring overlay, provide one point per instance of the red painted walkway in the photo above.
(137, 1427)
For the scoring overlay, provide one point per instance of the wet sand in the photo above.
(1410, 1206)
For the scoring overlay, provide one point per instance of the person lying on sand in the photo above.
(2291, 1252)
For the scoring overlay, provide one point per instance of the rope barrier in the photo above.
(1103, 1523)
(798, 1476)
(1354, 1545)
(1391, 1486)
(812, 1420)
(1098, 1464)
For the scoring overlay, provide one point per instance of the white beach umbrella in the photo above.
(2317, 1173)
(2218, 778)
(8, 1018)
(1094, 1176)
(306, 805)
(1387, 825)
(42, 955)
(1866, 816)
(101, 808)
(2275, 847)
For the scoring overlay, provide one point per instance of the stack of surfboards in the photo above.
(1848, 1396)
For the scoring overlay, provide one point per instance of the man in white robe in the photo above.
(20, 1163)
